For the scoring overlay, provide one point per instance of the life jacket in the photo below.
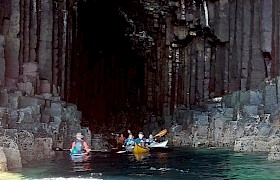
(138, 140)
(129, 142)
(79, 145)
(151, 140)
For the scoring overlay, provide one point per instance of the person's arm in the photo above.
(72, 146)
(86, 147)
(125, 142)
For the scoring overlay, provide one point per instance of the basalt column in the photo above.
(11, 31)
(38, 33)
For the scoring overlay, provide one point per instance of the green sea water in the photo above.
(171, 163)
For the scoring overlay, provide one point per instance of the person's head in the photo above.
(151, 136)
(130, 136)
(141, 135)
(79, 135)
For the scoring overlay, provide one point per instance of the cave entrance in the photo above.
(108, 75)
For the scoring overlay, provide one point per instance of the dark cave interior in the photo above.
(109, 75)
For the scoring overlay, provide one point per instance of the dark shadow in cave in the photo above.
(109, 86)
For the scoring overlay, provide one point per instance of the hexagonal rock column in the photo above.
(2, 60)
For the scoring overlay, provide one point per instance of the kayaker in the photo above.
(129, 141)
(79, 145)
(151, 139)
(129, 132)
(121, 139)
(141, 140)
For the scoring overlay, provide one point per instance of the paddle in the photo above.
(119, 152)
(161, 133)
(92, 150)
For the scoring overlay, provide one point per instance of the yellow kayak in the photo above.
(140, 149)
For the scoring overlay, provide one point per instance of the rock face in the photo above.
(161, 55)
(156, 64)
(246, 121)
(32, 124)
(3, 160)
(10, 149)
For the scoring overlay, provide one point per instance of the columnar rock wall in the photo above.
(201, 49)
(245, 121)
(33, 118)
(2, 60)
(32, 124)
(35, 31)
(192, 50)
(11, 30)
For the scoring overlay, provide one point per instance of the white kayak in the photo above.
(162, 144)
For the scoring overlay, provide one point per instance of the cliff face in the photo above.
(152, 53)
(132, 64)
(210, 48)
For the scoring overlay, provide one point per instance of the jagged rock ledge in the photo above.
(31, 124)
(245, 121)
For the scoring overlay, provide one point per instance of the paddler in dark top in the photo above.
(129, 141)
(141, 140)
(151, 139)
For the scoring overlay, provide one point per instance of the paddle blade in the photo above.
(119, 152)
(161, 133)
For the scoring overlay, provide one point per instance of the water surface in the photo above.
(172, 163)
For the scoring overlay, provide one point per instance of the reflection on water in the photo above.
(10, 176)
(81, 166)
(177, 163)
(81, 163)
(140, 156)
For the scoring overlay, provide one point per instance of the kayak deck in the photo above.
(80, 157)
(162, 144)
(140, 149)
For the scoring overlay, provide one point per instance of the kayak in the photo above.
(162, 144)
(140, 149)
(79, 157)
(129, 148)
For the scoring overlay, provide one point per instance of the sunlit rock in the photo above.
(43, 149)
(11, 150)
(34, 149)
(274, 153)
(244, 144)
(3, 160)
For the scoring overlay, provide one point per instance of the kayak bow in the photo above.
(140, 149)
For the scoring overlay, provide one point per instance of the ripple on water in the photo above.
(217, 164)
(63, 178)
